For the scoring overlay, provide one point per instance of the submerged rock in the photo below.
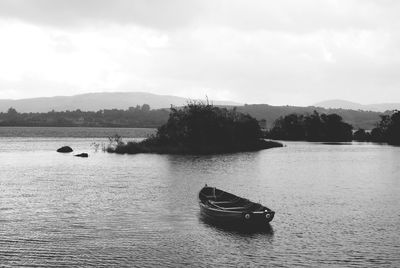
(65, 149)
(82, 155)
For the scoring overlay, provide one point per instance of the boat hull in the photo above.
(235, 217)
(221, 208)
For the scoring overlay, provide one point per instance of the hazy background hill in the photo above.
(357, 117)
(97, 101)
(377, 107)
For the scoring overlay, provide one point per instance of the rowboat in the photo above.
(218, 205)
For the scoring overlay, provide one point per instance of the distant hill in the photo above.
(343, 104)
(359, 118)
(97, 101)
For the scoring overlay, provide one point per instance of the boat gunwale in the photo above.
(220, 210)
(236, 211)
(206, 204)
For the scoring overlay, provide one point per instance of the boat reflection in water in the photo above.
(238, 228)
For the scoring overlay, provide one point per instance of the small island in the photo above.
(313, 127)
(201, 128)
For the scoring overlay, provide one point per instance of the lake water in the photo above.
(336, 205)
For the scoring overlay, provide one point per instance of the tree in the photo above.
(361, 135)
(12, 111)
(336, 130)
(12, 116)
(290, 127)
(200, 125)
(145, 108)
(377, 135)
(314, 127)
(388, 129)
(393, 129)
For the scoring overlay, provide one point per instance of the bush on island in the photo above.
(200, 128)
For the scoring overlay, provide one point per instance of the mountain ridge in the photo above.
(98, 101)
(344, 104)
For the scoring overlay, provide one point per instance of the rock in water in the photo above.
(65, 149)
(82, 155)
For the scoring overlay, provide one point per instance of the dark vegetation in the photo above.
(356, 118)
(143, 116)
(313, 127)
(200, 128)
(362, 135)
(331, 128)
(285, 122)
(139, 116)
(388, 129)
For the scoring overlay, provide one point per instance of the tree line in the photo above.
(313, 127)
(308, 127)
(139, 116)
(331, 128)
(387, 130)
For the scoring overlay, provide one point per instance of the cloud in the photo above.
(278, 52)
(75, 13)
(284, 15)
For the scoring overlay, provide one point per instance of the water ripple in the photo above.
(336, 206)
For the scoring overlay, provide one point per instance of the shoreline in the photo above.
(146, 146)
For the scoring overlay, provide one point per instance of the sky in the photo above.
(249, 51)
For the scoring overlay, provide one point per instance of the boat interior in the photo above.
(219, 199)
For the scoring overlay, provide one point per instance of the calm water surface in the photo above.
(335, 205)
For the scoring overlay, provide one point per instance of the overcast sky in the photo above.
(275, 52)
